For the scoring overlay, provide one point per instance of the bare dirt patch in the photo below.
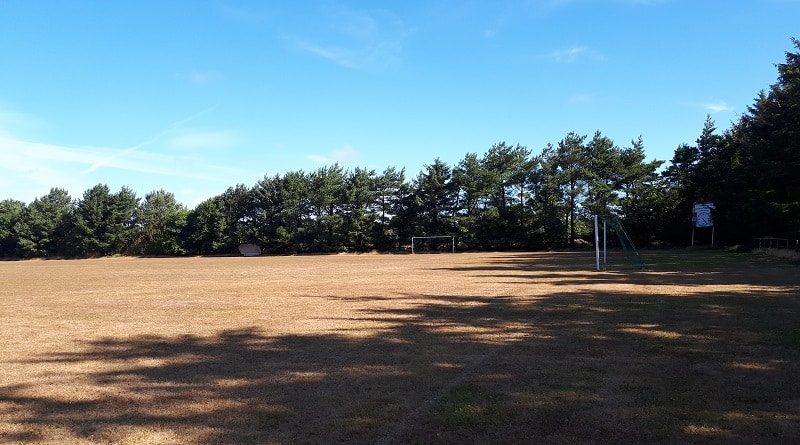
(464, 348)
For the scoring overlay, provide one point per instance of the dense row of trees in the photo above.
(507, 198)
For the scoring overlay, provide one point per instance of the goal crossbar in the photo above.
(452, 238)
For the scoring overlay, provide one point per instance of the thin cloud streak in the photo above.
(717, 107)
(376, 55)
(357, 40)
(26, 158)
(575, 53)
(31, 167)
(158, 136)
(568, 55)
(341, 56)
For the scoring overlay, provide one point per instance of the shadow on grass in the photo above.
(563, 368)
(678, 267)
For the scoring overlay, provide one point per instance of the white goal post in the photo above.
(452, 242)
(597, 242)
(625, 241)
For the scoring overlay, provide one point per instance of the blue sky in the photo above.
(197, 96)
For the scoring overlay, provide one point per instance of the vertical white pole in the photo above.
(605, 243)
(596, 243)
(454, 244)
(712, 236)
(412, 245)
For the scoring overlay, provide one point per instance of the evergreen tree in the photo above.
(325, 199)
(712, 167)
(291, 234)
(267, 210)
(571, 178)
(550, 228)
(161, 221)
(768, 159)
(11, 212)
(103, 223)
(682, 182)
(206, 227)
(507, 168)
(42, 227)
(602, 166)
(237, 206)
(359, 216)
(434, 196)
(641, 193)
(473, 184)
(121, 227)
(390, 192)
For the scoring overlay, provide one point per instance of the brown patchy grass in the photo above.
(465, 348)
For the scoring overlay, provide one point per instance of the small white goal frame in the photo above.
(452, 237)
(621, 233)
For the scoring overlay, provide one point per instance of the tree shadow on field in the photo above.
(236, 387)
(668, 267)
(568, 367)
(628, 368)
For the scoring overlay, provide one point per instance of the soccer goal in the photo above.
(431, 244)
(608, 252)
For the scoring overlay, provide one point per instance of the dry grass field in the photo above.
(413, 349)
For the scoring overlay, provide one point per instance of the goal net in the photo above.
(433, 244)
(614, 247)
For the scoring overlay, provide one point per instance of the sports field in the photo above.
(400, 349)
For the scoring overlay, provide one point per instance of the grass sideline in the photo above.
(451, 348)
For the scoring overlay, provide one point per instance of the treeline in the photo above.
(506, 198)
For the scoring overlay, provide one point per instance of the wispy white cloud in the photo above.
(344, 155)
(357, 39)
(347, 57)
(568, 55)
(39, 165)
(118, 154)
(31, 159)
(378, 54)
(717, 107)
(575, 53)
(30, 167)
